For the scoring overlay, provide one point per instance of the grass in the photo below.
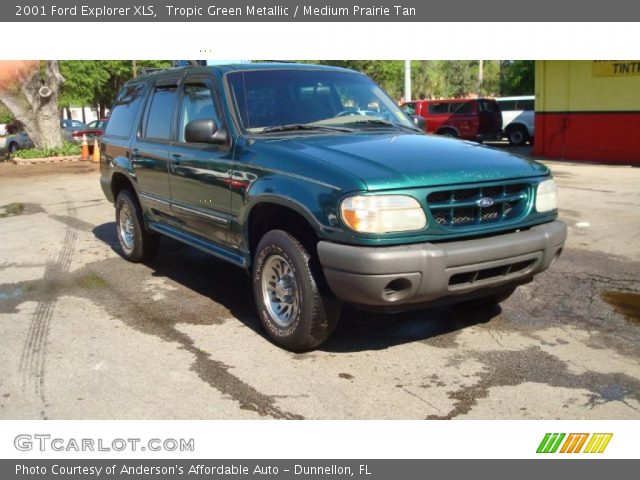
(11, 209)
(67, 149)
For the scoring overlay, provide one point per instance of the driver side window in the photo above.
(197, 104)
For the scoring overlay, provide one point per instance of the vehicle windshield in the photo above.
(268, 99)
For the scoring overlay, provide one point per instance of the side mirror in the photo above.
(420, 122)
(204, 131)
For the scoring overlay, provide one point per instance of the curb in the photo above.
(33, 161)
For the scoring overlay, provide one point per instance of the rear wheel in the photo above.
(297, 313)
(136, 242)
(517, 136)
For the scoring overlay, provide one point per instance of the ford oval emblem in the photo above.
(485, 202)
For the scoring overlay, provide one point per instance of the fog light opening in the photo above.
(396, 289)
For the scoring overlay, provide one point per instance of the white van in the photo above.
(518, 118)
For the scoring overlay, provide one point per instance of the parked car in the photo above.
(72, 130)
(315, 182)
(10, 144)
(518, 118)
(96, 128)
(470, 119)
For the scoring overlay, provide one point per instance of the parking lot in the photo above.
(86, 334)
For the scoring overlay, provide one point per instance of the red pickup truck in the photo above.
(471, 119)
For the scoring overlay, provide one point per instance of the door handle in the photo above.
(176, 158)
(135, 153)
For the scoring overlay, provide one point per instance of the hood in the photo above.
(391, 161)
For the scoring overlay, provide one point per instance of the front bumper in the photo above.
(427, 272)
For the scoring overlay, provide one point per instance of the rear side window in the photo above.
(462, 108)
(507, 105)
(525, 105)
(124, 111)
(157, 125)
(435, 108)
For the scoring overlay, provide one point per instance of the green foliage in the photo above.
(5, 115)
(67, 149)
(96, 82)
(518, 77)
(459, 78)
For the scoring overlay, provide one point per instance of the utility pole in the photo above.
(407, 80)
(134, 65)
(480, 77)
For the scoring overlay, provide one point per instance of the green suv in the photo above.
(316, 183)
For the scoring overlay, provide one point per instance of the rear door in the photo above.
(201, 173)
(490, 118)
(150, 151)
(464, 118)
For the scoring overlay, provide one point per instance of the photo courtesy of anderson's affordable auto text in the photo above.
(335, 243)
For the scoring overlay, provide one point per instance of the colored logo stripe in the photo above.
(597, 443)
(574, 443)
(550, 443)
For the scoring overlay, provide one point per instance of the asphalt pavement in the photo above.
(85, 334)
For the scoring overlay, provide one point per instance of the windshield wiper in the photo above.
(302, 126)
(383, 123)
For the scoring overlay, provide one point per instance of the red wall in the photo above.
(599, 136)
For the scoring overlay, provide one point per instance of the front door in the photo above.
(200, 173)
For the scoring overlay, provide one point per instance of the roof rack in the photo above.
(175, 64)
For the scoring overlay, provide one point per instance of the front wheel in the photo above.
(13, 149)
(295, 310)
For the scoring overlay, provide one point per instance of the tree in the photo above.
(459, 78)
(83, 79)
(29, 90)
(518, 77)
(96, 83)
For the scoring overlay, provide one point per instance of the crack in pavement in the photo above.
(512, 368)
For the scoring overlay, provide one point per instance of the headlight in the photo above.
(547, 196)
(382, 213)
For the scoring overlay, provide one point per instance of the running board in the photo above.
(199, 243)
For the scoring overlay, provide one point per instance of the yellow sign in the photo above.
(615, 68)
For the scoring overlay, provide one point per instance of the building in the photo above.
(588, 110)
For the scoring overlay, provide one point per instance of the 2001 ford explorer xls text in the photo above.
(315, 182)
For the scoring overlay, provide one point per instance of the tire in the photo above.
(490, 300)
(295, 309)
(517, 136)
(137, 244)
(11, 151)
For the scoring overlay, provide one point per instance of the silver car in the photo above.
(10, 144)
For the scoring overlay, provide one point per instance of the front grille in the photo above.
(462, 207)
